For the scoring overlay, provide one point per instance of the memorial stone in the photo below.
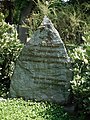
(43, 69)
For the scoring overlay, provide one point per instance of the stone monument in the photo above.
(43, 70)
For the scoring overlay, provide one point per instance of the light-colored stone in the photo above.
(43, 70)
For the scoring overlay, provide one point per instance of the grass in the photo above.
(18, 109)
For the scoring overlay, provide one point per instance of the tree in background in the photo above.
(7, 8)
(78, 1)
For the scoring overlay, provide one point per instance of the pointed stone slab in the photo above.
(43, 70)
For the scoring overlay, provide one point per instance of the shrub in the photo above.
(81, 82)
(10, 47)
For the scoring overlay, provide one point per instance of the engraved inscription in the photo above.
(43, 69)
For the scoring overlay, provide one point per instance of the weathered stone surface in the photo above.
(43, 70)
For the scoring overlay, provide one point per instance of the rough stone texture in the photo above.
(43, 70)
(23, 34)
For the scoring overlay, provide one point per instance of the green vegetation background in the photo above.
(72, 20)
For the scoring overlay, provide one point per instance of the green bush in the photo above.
(10, 47)
(81, 82)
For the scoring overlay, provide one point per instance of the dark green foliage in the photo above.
(84, 5)
(20, 5)
(78, 1)
(7, 8)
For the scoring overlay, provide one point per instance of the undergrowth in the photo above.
(18, 109)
